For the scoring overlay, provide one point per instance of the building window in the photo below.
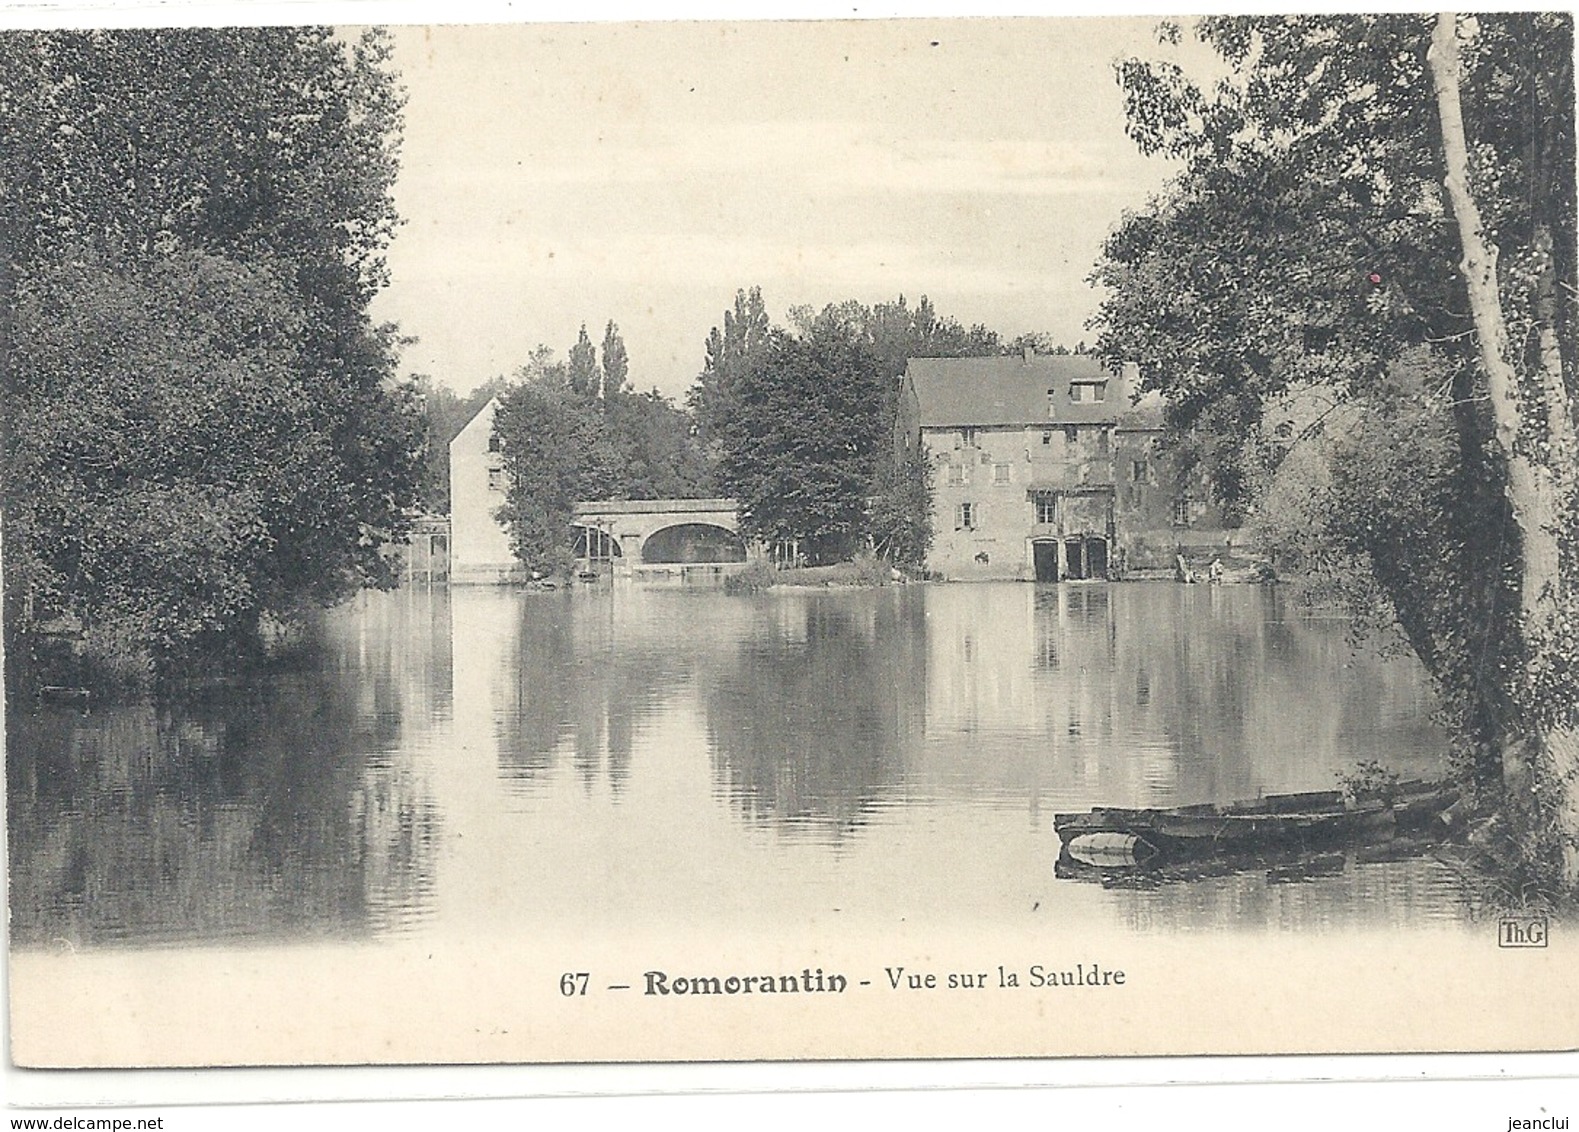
(1046, 507)
(1000, 473)
(1077, 392)
(493, 443)
(1181, 512)
(1088, 391)
(495, 479)
(967, 437)
(1138, 471)
(1047, 437)
(1102, 442)
(1052, 403)
(966, 517)
(1099, 391)
(956, 473)
(1071, 434)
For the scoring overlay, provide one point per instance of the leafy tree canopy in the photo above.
(802, 419)
(200, 421)
(1316, 240)
(572, 432)
(802, 441)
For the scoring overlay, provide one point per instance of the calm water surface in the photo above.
(490, 760)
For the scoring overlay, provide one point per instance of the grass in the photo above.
(866, 569)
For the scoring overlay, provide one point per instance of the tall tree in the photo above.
(1355, 206)
(582, 369)
(801, 439)
(616, 363)
(899, 519)
(558, 451)
(563, 444)
(1534, 434)
(895, 516)
(135, 166)
(729, 353)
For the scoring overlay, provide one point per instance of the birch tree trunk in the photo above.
(1541, 764)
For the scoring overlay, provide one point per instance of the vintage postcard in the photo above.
(747, 541)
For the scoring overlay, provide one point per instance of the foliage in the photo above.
(1369, 779)
(1309, 245)
(900, 520)
(581, 372)
(200, 422)
(445, 413)
(755, 577)
(659, 457)
(753, 411)
(563, 443)
(801, 441)
(616, 362)
(728, 354)
(556, 451)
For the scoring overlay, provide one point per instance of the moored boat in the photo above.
(1306, 819)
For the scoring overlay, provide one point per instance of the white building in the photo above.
(479, 544)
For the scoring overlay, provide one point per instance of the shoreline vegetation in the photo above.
(862, 571)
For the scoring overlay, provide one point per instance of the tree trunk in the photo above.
(1541, 766)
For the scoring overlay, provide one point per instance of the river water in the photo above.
(448, 763)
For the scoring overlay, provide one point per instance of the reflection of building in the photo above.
(479, 545)
(424, 558)
(1042, 467)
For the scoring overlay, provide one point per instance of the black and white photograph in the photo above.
(790, 540)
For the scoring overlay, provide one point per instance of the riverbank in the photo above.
(861, 572)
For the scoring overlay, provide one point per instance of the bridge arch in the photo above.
(658, 538)
(691, 542)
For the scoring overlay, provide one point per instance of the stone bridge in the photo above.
(660, 536)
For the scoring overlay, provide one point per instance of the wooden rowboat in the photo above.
(1307, 819)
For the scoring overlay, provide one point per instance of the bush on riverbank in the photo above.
(864, 570)
(756, 577)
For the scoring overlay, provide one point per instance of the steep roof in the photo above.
(483, 416)
(1020, 390)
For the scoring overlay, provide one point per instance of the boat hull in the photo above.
(1311, 819)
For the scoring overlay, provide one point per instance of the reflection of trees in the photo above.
(577, 677)
(1381, 893)
(261, 811)
(1247, 699)
(1154, 695)
(810, 700)
(813, 722)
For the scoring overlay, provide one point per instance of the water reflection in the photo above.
(1373, 889)
(1157, 695)
(497, 759)
(812, 722)
(579, 672)
(267, 811)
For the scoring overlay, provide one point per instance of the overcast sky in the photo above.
(560, 174)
